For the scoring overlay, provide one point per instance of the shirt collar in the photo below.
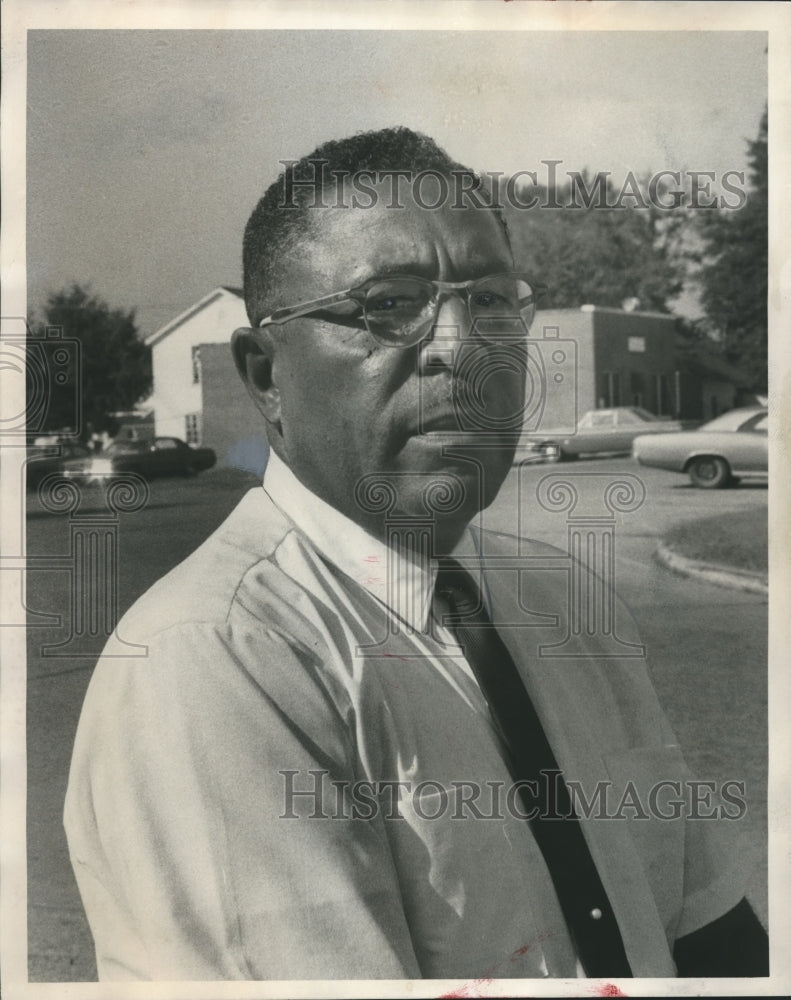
(402, 586)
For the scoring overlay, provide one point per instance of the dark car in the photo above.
(60, 457)
(164, 456)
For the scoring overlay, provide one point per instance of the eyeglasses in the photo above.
(401, 310)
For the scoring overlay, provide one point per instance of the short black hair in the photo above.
(281, 220)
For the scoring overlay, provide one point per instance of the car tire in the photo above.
(550, 452)
(567, 456)
(709, 472)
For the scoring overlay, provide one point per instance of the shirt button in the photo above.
(595, 913)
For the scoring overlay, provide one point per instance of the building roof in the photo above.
(134, 416)
(655, 314)
(193, 310)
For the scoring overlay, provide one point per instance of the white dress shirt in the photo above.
(276, 665)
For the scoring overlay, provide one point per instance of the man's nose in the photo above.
(451, 327)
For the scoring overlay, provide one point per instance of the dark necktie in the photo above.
(579, 889)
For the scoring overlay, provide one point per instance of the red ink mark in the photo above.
(469, 989)
(372, 559)
(395, 656)
(472, 987)
(609, 990)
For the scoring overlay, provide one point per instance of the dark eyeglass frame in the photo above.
(440, 290)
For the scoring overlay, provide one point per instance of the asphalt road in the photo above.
(706, 648)
(694, 632)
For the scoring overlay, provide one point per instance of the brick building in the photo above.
(626, 358)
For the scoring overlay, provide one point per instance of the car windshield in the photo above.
(598, 418)
(730, 421)
(633, 415)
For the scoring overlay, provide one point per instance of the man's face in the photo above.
(352, 407)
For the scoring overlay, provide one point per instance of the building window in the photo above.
(192, 428)
(637, 389)
(195, 365)
(665, 403)
(609, 389)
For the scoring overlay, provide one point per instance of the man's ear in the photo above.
(254, 354)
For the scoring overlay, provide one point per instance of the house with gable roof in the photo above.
(197, 392)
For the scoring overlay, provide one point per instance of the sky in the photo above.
(147, 150)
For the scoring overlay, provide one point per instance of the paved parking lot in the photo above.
(706, 648)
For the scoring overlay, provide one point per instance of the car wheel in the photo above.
(709, 473)
(567, 456)
(550, 452)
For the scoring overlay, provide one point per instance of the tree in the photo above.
(733, 273)
(601, 250)
(114, 369)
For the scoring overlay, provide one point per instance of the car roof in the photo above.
(617, 409)
(746, 411)
(732, 420)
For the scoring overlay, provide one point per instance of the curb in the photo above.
(720, 576)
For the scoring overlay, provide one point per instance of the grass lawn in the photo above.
(738, 539)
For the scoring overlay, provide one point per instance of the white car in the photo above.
(732, 446)
(608, 430)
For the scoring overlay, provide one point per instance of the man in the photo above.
(290, 785)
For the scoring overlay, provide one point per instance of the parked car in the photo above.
(58, 456)
(164, 456)
(731, 446)
(610, 430)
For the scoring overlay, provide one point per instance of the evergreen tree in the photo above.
(733, 272)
